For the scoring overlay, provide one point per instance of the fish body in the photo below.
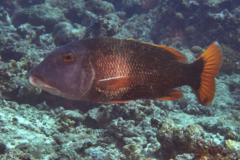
(119, 70)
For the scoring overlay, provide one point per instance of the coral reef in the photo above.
(231, 60)
(178, 140)
(133, 152)
(209, 150)
(108, 25)
(16, 154)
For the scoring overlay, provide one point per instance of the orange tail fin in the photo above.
(212, 60)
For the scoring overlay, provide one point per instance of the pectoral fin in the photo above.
(115, 83)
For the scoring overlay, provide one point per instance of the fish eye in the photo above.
(68, 57)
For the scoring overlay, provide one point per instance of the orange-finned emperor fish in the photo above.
(118, 70)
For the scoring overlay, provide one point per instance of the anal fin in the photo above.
(173, 95)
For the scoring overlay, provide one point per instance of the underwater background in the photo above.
(37, 125)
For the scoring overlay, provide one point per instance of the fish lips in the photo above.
(39, 83)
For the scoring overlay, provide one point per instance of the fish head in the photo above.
(66, 72)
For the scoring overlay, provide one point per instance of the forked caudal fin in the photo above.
(212, 60)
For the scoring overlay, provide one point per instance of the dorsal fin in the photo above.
(179, 56)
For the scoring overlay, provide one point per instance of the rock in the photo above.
(133, 152)
(46, 39)
(3, 147)
(37, 15)
(232, 145)
(153, 146)
(64, 33)
(108, 25)
(74, 115)
(178, 140)
(185, 156)
(30, 33)
(16, 154)
(108, 152)
(231, 60)
(232, 135)
(197, 49)
(96, 152)
(5, 20)
(102, 7)
(123, 128)
(25, 3)
(135, 140)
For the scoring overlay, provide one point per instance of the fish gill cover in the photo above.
(37, 125)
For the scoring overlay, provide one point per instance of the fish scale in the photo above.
(118, 70)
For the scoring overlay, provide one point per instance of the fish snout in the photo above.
(36, 81)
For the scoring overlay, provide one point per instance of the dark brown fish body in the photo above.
(117, 70)
(141, 71)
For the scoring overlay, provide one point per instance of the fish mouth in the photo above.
(37, 82)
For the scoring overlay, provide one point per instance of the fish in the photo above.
(114, 70)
